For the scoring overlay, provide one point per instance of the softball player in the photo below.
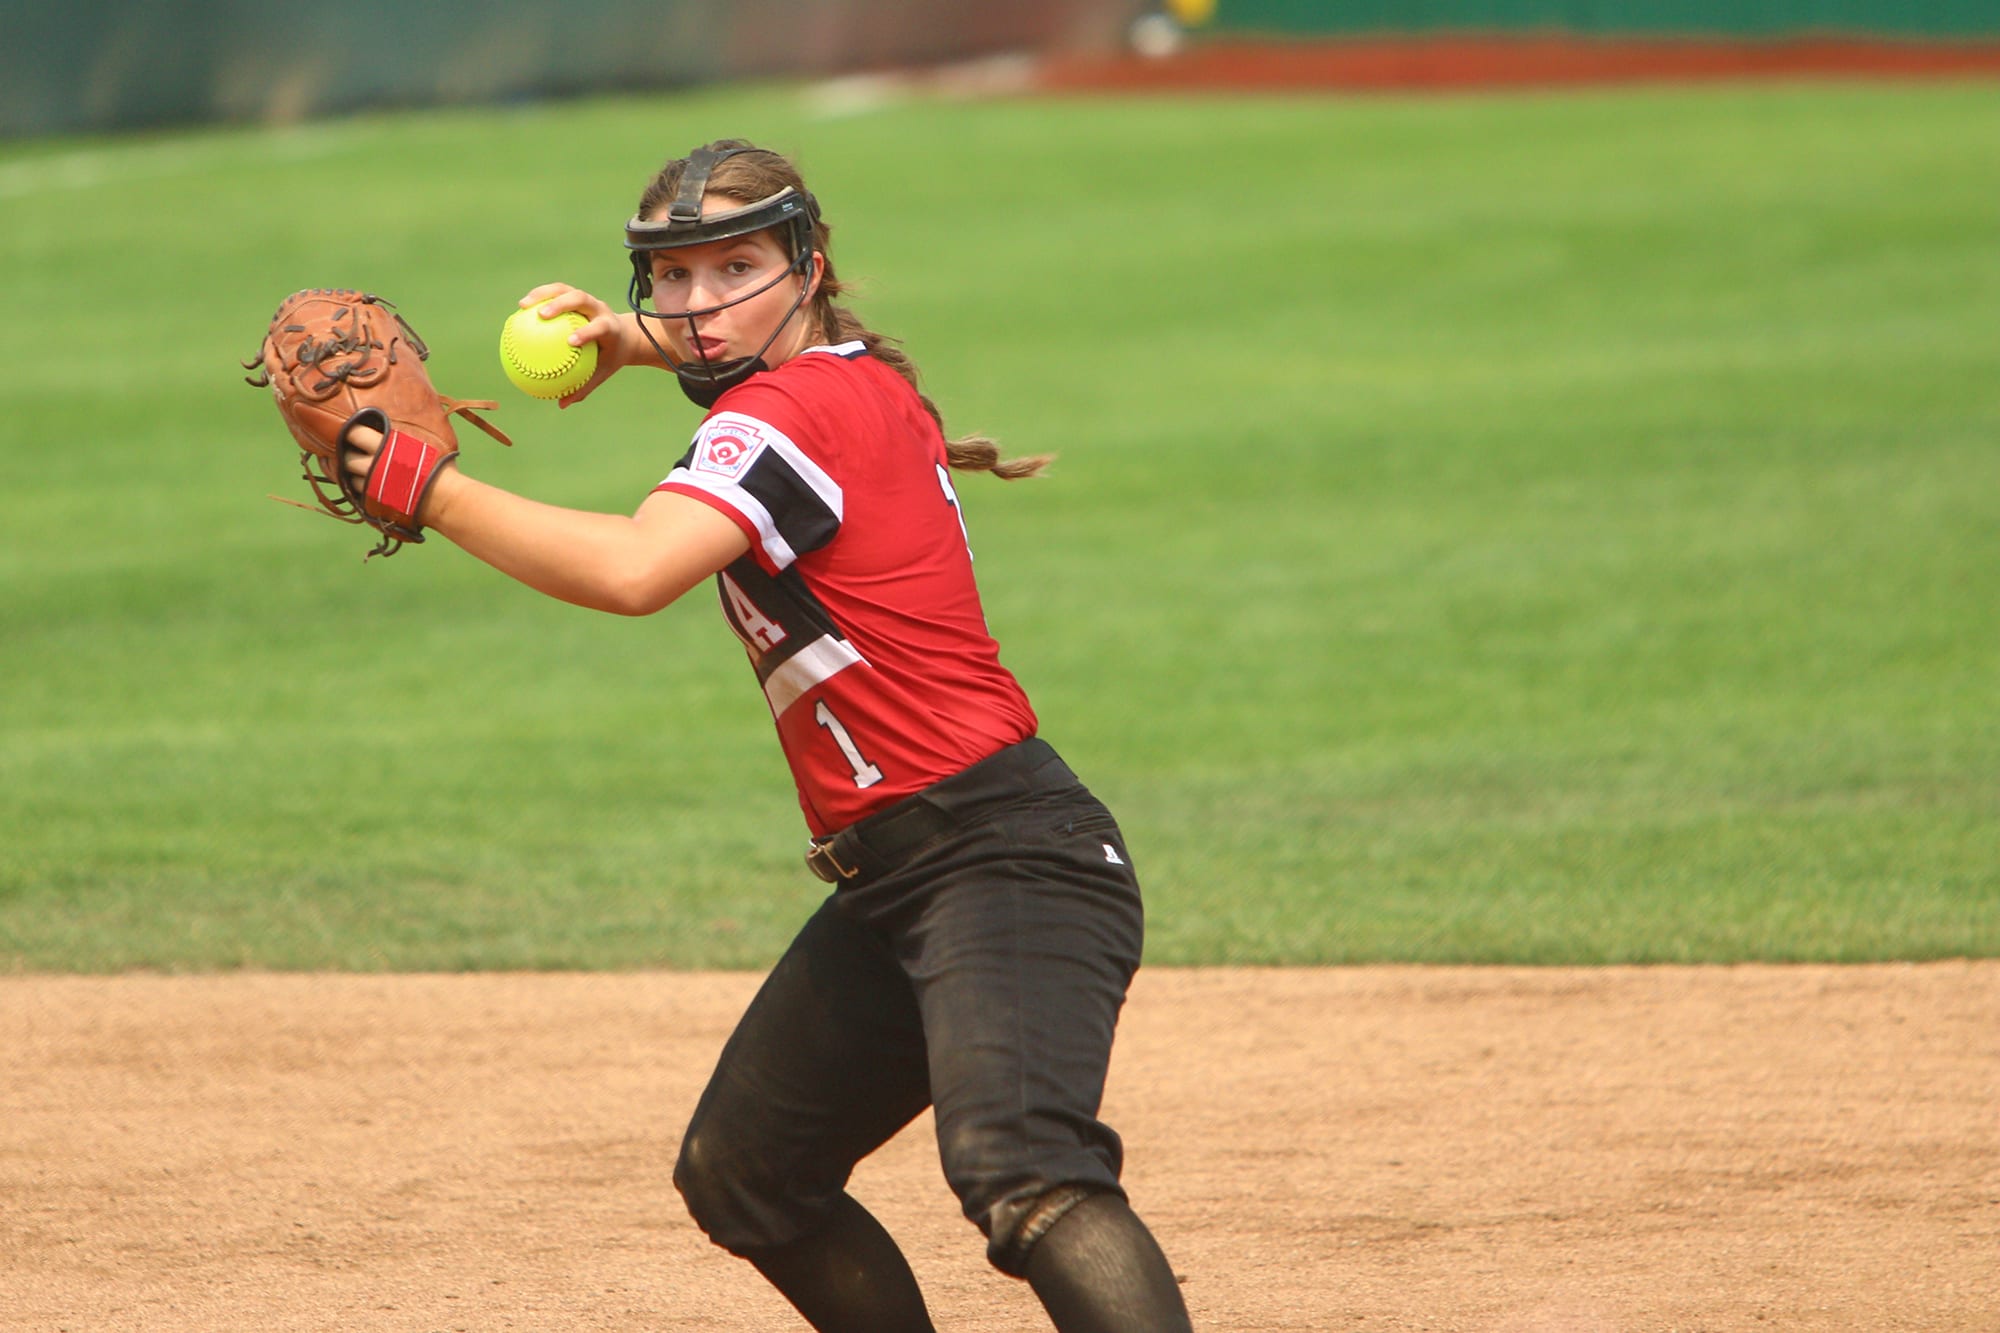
(985, 920)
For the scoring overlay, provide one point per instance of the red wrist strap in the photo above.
(403, 470)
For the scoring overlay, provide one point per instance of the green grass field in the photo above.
(1548, 529)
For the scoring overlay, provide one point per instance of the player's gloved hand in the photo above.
(616, 333)
(393, 471)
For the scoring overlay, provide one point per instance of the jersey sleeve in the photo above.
(756, 474)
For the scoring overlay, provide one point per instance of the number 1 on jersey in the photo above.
(951, 498)
(865, 773)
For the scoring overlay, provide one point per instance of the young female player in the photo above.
(985, 921)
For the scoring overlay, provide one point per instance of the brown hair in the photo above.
(749, 177)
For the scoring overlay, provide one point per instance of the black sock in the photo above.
(1098, 1270)
(848, 1276)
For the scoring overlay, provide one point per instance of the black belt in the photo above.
(892, 835)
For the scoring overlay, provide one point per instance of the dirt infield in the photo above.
(1556, 1151)
(1455, 60)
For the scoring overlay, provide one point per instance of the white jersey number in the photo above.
(951, 498)
(865, 773)
(760, 633)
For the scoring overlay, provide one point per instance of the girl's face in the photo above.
(699, 277)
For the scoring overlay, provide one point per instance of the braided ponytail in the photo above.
(966, 453)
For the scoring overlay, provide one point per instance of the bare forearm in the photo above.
(607, 562)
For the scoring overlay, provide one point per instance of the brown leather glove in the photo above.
(335, 359)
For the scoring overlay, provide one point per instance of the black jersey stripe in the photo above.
(783, 600)
(801, 517)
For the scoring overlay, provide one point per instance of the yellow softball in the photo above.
(537, 357)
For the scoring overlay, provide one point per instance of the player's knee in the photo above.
(698, 1177)
(721, 1189)
(1018, 1228)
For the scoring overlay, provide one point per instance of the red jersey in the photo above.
(856, 601)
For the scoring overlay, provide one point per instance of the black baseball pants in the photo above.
(982, 975)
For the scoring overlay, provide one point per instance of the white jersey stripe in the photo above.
(727, 451)
(819, 660)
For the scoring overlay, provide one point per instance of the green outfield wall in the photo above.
(78, 66)
(1760, 19)
(88, 65)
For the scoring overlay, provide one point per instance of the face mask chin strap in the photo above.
(704, 381)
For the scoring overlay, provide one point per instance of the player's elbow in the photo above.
(639, 592)
(647, 562)
(629, 599)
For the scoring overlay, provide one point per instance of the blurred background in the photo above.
(93, 65)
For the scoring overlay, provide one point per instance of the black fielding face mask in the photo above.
(790, 211)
